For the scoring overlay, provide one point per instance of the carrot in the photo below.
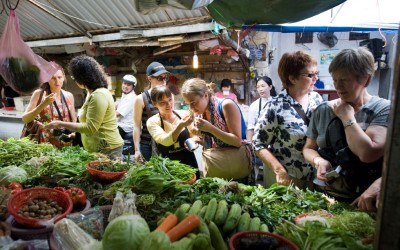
(186, 226)
(168, 223)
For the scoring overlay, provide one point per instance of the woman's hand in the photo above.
(369, 200)
(53, 124)
(187, 120)
(283, 178)
(49, 99)
(203, 125)
(342, 109)
(323, 167)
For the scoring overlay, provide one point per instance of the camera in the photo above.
(60, 131)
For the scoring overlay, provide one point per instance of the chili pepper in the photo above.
(78, 197)
(15, 190)
(14, 185)
(62, 189)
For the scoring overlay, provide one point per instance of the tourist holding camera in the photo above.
(97, 117)
(346, 136)
(50, 103)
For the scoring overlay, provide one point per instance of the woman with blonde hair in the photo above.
(220, 124)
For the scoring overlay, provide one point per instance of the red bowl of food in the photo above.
(39, 207)
(261, 240)
(95, 171)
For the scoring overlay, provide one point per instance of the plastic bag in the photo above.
(20, 67)
(91, 220)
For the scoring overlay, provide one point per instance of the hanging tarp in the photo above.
(239, 12)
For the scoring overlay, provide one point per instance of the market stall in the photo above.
(160, 204)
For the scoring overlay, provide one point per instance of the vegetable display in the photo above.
(78, 197)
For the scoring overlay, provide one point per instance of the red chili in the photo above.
(78, 197)
(60, 189)
(15, 190)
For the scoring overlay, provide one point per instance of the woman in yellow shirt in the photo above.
(97, 119)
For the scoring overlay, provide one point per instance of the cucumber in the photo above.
(264, 228)
(216, 238)
(211, 210)
(203, 228)
(222, 213)
(182, 244)
(181, 212)
(233, 218)
(244, 222)
(196, 207)
(255, 224)
(201, 242)
(202, 212)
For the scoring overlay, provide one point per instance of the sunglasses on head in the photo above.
(161, 78)
(310, 75)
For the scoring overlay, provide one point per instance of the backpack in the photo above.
(241, 117)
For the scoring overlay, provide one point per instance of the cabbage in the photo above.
(12, 174)
(125, 232)
(156, 240)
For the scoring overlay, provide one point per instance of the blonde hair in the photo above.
(195, 86)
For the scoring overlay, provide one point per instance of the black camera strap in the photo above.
(63, 101)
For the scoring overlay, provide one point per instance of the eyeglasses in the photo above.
(161, 78)
(310, 75)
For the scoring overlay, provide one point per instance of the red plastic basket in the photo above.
(234, 242)
(103, 176)
(18, 200)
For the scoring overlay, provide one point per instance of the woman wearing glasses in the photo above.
(143, 109)
(279, 134)
(350, 131)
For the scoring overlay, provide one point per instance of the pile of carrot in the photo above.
(176, 231)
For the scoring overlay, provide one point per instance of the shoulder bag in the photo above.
(229, 162)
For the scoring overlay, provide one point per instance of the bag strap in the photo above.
(301, 113)
(241, 117)
(58, 110)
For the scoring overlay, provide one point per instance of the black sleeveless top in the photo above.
(148, 111)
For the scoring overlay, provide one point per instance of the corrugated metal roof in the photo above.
(49, 19)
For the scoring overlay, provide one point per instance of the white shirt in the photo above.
(125, 109)
(255, 111)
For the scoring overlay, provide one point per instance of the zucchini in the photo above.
(244, 222)
(183, 244)
(233, 218)
(222, 213)
(203, 228)
(255, 224)
(196, 207)
(211, 210)
(216, 238)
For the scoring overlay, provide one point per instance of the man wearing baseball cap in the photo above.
(144, 109)
(125, 107)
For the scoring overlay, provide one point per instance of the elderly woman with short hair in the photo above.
(280, 132)
(349, 131)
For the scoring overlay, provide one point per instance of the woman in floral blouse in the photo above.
(280, 133)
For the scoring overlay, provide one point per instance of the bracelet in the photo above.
(348, 123)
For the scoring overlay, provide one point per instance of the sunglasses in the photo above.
(161, 78)
(311, 75)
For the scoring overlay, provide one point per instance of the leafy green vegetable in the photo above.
(358, 223)
(125, 232)
(12, 174)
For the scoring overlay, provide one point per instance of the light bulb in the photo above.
(195, 60)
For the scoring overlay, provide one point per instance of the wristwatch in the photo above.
(349, 123)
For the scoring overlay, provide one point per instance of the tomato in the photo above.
(14, 185)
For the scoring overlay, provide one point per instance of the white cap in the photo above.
(129, 79)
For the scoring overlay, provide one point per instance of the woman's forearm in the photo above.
(31, 115)
(226, 137)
